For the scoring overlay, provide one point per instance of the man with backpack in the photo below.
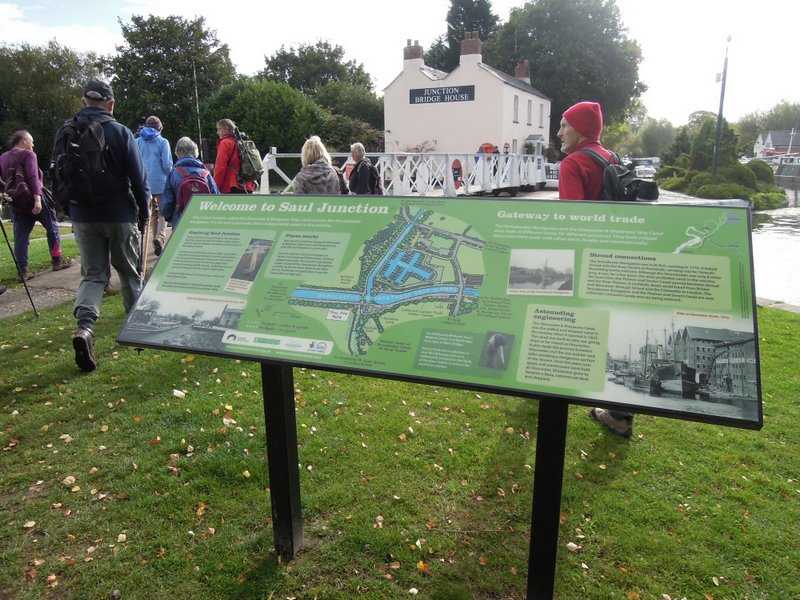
(22, 182)
(98, 175)
(581, 177)
(157, 160)
(188, 177)
(364, 177)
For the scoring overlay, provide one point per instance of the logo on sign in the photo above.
(438, 95)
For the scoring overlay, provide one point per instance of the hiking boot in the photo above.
(620, 427)
(83, 343)
(158, 247)
(61, 262)
(24, 275)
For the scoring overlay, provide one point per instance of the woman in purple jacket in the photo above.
(21, 156)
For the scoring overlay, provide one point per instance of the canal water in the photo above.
(776, 254)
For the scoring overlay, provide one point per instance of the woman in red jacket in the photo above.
(227, 165)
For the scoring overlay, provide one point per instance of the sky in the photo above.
(683, 41)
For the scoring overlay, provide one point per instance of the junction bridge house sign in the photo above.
(436, 95)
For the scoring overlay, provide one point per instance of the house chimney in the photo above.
(523, 71)
(470, 48)
(412, 51)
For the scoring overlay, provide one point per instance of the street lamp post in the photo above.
(719, 114)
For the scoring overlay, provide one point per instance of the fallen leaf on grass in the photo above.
(394, 565)
(715, 580)
(31, 574)
(423, 567)
(378, 522)
(122, 538)
(155, 441)
(413, 591)
(75, 488)
(161, 552)
(402, 437)
(573, 547)
(228, 420)
(633, 596)
(29, 524)
(483, 560)
(104, 428)
(201, 509)
(179, 394)
(246, 474)
(52, 580)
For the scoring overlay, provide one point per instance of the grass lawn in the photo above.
(403, 486)
(38, 252)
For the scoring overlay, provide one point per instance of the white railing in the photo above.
(436, 174)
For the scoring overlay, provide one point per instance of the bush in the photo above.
(702, 178)
(740, 174)
(673, 184)
(762, 171)
(768, 200)
(669, 171)
(720, 191)
(768, 187)
(690, 175)
(682, 161)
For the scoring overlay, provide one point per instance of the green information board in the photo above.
(645, 307)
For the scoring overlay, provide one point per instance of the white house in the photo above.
(427, 110)
(777, 142)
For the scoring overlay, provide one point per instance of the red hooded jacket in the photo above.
(227, 165)
(580, 177)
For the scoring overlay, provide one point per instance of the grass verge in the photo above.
(38, 252)
(403, 486)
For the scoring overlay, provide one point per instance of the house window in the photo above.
(541, 115)
(530, 112)
(514, 146)
(516, 108)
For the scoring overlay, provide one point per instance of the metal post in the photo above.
(551, 441)
(19, 271)
(197, 108)
(719, 114)
(277, 384)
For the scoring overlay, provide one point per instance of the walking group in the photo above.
(120, 191)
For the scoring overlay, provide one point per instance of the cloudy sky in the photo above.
(682, 40)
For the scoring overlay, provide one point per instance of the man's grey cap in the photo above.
(98, 90)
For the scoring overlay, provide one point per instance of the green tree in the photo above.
(311, 66)
(702, 153)
(462, 16)
(655, 137)
(578, 49)
(351, 101)
(153, 71)
(339, 131)
(272, 113)
(681, 145)
(59, 74)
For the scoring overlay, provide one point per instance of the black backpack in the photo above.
(620, 183)
(82, 163)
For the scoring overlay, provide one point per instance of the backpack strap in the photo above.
(599, 159)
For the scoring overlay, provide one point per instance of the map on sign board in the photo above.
(648, 307)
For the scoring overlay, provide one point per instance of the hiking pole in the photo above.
(19, 271)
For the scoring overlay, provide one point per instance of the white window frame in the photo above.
(530, 111)
(516, 108)
(541, 115)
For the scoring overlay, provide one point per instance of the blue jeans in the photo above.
(99, 244)
(23, 225)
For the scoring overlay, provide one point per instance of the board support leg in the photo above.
(551, 440)
(277, 383)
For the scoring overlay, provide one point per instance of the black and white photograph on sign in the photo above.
(704, 364)
(248, 266)
(496, 351)
(166, 318)
(541, 272)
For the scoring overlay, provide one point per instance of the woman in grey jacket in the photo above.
(317, 175)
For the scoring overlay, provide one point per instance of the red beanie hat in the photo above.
(586, 118)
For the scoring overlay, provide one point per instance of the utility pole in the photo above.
(791, 139)
(719, 114)
(197, 109)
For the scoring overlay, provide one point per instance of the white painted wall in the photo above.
(457, 126)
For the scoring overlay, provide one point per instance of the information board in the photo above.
(647, 307)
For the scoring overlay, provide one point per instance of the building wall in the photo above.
(457, 127)
(521, 130)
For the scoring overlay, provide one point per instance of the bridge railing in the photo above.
(436, 174)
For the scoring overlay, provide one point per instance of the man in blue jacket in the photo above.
(98, 174)
(157, 160)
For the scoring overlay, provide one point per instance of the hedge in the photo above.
(762, 171)
(768, 200)
(720, 191)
